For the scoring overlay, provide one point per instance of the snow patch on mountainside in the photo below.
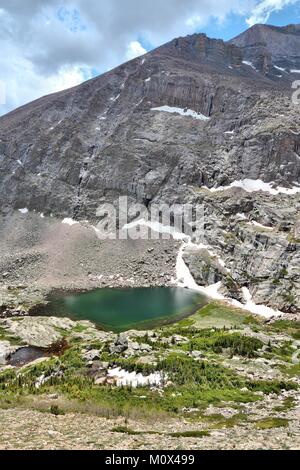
(246, 62)
(252, 186)
(257, 224)
(242, 216)
(279, 68)
(252, 307)
(70, 222)
(183, 112)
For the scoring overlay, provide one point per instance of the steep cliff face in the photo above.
(66, 153)
(200, 48)
(63, 152)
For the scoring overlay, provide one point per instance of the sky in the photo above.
(50, 45)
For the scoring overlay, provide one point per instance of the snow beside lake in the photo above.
(185, 279)
(182, 112)
(252, 307)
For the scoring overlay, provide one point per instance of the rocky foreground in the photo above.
(34, 430)
(219, 380)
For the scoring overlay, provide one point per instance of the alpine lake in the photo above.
(124, 309)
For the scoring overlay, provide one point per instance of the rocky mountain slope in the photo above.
(274, 50)
(66, 153)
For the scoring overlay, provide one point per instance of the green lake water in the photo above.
(124, 309)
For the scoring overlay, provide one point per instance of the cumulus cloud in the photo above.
(22, 83)
(2, 92)
(261, 13)
(135, 49)
(52, 44)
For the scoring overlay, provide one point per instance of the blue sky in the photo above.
(50, 45)
(236, 24)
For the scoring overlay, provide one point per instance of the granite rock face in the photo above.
(65, 154)
(255, 245)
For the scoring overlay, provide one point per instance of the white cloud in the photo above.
(23, 83)
(68, 77)
(261, 13)
(135, 49)
(2, 92)
(194, 21)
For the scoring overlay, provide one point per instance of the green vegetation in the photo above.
(283, 272)
(183, 370)
(190, 434)
(285, 351)
(219, 421)
(216, 315)
(271, 386)
(5, 336)
(125, 430)
(289, 297)
(292, 328)
(55, 410)
(191, 385)
(79, 328)
(195, 385)
(270, 423)
(216, 341)
(286, 405)
(291, 370)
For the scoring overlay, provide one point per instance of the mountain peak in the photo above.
(199, 47)
(279, 40)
